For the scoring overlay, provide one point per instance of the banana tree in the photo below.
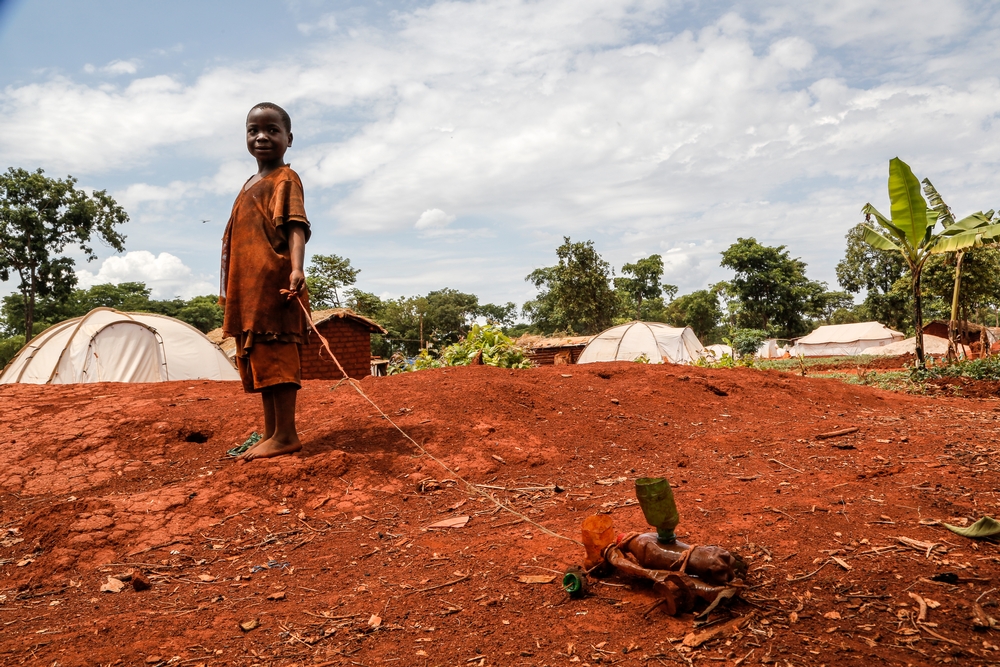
(978, 221)
(910, 231)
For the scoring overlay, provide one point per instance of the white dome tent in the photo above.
(846, 339)
(658, 342)
(106, 345)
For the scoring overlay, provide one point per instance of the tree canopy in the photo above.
(201, 312)
(575, 295)
(699, 310)
(39, 218)
(640, 284)
(771, 288)
(325, 276)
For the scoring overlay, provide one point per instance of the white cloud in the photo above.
(326, 23)
(604, 119)
(433, 218)
(165, 275)
(116, 67)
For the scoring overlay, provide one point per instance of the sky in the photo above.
(455, 144)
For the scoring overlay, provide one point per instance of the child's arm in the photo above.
(297, 250)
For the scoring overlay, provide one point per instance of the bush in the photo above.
(487, 341)
(496, 348)
(8, 348)
(976, 369)
(746, 342)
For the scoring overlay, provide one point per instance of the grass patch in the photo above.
(795, 363)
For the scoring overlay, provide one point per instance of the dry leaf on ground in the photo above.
(452, 522)
(112, 585)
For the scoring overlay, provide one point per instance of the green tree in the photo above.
(699, 310)
(440, 318)
(202, 312)
(325, 275)
(448, 314)
(574, 295)
(910, 232)
(39, 218)
(641, 281)
(503, 316)
(365, 303)
(771, 287)
(126, 296)
(875, 272)
(824, 304)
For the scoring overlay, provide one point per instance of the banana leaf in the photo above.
(885, 223)
(963, 241)
(942, 212)
(908, 208)
(878, 241)
(974, 221)
(985, 527)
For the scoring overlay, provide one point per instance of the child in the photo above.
(263, 250)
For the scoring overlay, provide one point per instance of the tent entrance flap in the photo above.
(124, 352)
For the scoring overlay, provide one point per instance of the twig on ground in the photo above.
(785, 464)
(431, 588)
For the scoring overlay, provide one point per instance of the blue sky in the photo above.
(454, 144)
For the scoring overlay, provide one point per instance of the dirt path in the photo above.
(331, 551)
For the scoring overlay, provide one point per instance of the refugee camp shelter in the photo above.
(717, 351)
(845, 339)
(658, 342)
(553, 351)
(349, 335)
(934, 346)
(106, 345)
(770, 349)
(979, 339)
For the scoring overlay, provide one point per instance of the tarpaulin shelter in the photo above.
(934, 346)
(658, 342)
(717, 351)
(845, 339)
(106, 345)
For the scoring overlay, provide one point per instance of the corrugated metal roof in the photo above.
(533, 342)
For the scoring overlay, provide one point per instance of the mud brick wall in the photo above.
(350, 342)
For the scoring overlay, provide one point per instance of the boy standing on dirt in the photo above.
(263, 251)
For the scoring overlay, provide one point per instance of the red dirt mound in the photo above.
(333, 551)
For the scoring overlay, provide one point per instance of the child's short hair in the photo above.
(286, 120)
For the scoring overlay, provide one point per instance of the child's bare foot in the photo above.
(270, 448)
(255, 445)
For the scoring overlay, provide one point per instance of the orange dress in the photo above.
(256, 264)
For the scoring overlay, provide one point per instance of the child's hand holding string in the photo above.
(296, 281)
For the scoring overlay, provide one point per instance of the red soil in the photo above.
(101, 479)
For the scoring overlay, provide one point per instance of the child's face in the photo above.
(267, 138)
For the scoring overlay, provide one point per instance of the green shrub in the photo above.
(497, 349)
(8, 348)
(746, 342)
(489, 341)
(976, 369)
